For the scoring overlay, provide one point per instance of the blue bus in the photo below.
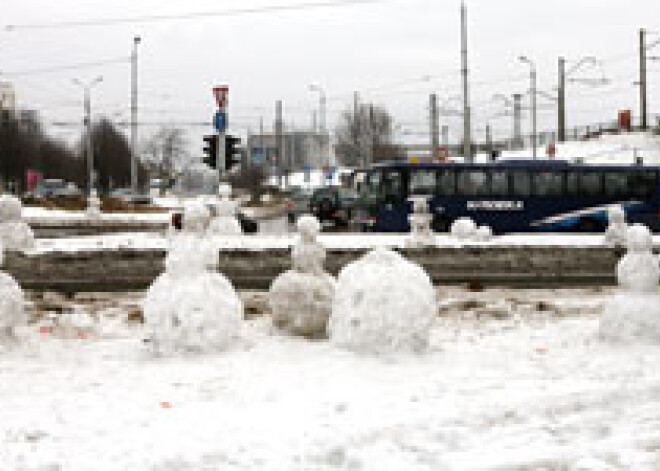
(509, 196)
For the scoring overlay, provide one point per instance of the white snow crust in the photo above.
(383, 303)
(535, 390)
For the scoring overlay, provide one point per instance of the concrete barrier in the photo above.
(134, 269)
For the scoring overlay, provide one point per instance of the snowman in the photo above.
(634, 312)
(225, 223)
(301, 298)
(12, 305)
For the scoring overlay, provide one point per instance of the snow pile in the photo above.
(192, 307)
(225, 223)
(12, 304)
(93, 206)
(634, 313)
(14, 232)
(615, 235)
(463, 229)
(383, 303)
(301, 299)
(421, 234)
(483, 234)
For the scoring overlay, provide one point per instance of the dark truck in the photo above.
(334, 204)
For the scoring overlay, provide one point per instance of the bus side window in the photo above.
(548, 184)
(641, 184)
(446, 182)
(422, 182)
(616, 184)
(473, 183)
(499, 182)
(590, 183)
(521, 184)
(572, 183)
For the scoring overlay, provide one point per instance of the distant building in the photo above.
(300, 149)
(7, 97)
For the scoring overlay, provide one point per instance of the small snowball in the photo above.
(463, 228)
(383, 303)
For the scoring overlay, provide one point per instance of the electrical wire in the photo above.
(189, 16)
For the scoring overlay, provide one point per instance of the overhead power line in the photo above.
(60, 68)
(189, 16)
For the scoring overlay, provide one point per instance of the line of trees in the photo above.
(24, 146)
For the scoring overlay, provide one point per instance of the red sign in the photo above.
(221, 94)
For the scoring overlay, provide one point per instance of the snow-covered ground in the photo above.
(148, 241)
(515, 381)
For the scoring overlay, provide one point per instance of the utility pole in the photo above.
(489, 142)
(134, 116)
(357, 128)
(533, 93)
(642, 78)
(445, 137)
(372, 135)
(517, 118)
(434, 127)
(561, 105)
(87, 121)
(467, 138)
(278, 139)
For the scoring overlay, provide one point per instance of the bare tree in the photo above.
(365, 136)
(167, 151)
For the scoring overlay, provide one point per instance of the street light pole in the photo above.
(87, 121)
(532, 66)
(134, 115)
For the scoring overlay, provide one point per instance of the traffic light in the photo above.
(232, 152)
(211, 151)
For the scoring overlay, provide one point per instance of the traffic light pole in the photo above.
(220, 154)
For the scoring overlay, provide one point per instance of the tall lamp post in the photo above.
(87, 121)
(134, 117)
(532, 67)
(323, 121)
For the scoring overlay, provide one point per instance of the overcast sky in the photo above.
(384, 50)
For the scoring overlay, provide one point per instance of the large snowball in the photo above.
(301, 303)
(14, 233)
(383, 303)
(199, 314)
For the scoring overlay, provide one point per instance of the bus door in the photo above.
(392, 207)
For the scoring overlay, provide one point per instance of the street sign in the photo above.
(220, 120)
(221, 93)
